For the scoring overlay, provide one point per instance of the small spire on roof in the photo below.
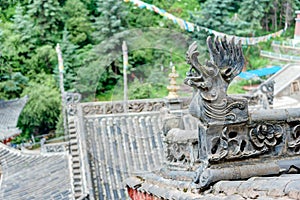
(173, 88)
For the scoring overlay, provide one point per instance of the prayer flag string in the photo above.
(191, 27)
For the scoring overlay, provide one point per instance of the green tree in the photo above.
(108, 34)
(7, 9)
(140, 90)
(44, 59)
(253, 13)
(214, 14)
(237, 26)
(287, 13)
(77, 22)
(110, 20)
(17, 42)
(12, 85)
(270, 7)
(23, 26)
(46, 16)
(41, 112)
(141, 18)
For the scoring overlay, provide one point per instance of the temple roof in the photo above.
(123, 145)
(286, 186)
(9, 114)
(34, 176)
(120, 145)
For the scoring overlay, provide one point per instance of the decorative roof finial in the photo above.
(173, 88)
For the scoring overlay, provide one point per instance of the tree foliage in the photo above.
(46, 16)
(41, 112)
(12, 85)
(110, 19)
(77, 22)
(252, 12)
(91, 32)
(247, 17)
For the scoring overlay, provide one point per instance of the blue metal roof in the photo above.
(259, 72)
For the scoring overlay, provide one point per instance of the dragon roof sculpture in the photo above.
(210, 81)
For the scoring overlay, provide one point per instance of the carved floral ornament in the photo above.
(176, 152)
(295, 143)
(266, 135)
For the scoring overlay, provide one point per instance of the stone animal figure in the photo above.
(210, 82)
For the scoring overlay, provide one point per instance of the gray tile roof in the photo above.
(120, 145)
(173, 189)
(286, 186)
(9, 114)
(34, 176)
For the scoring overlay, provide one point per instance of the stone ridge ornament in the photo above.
(117, 107)
(268, 89)
(266, 135)
(233, 140)
(231, 136)
(210, 82)
(71, 101)
(294, 144)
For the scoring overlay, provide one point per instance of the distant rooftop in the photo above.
(9, 114)
(29, 176)
(259, 72)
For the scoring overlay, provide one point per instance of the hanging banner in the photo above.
(191, 27)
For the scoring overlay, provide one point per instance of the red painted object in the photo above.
(7, 140)
(137, 195)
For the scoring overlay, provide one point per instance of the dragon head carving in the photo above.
(212, 79)
(226, 62)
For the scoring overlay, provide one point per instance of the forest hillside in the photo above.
(90, 34)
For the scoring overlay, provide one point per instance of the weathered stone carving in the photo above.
(181, 147)
(294, 143)
(229, 145)
(211, 103)
(229, 133)
(267, 88)
(55, 148)
(71, 100)
(265, 136)
(264, 94)
(186, 102)
(118, 107)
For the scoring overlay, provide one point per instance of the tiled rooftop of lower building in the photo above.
(9, 114)
(283, 187)
(30, 176)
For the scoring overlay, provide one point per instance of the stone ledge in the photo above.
(286, 186)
